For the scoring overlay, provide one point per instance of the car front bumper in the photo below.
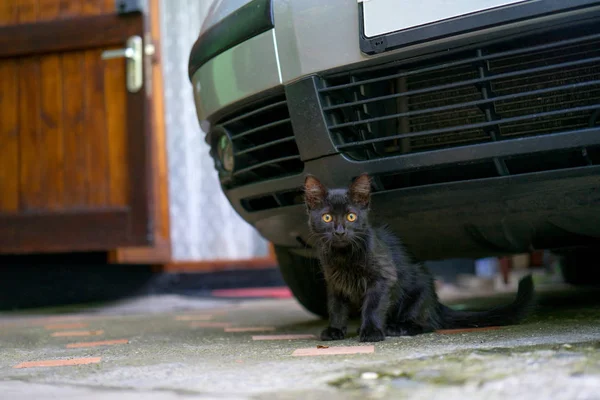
(476, 198)
(282, 41)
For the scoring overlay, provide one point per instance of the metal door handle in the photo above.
(133, 53)
(125, 53)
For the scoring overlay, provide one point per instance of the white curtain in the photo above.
(204, 226)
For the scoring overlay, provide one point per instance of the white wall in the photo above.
(203, 224)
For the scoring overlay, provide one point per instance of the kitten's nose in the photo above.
(339, 231)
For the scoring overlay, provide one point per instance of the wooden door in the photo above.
(75, 148)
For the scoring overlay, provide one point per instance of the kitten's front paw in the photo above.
(330, 333)
(371, 334)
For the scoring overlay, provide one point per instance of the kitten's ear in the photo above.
(314, 192)
(360, 190)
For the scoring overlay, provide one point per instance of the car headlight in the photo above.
(225, 153)
(222, 151)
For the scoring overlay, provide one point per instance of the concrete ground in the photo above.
(170, 347)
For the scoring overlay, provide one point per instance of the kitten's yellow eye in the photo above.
(351, 217)
(327, 218)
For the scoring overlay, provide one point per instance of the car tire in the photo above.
(580, 267)
(304, 277)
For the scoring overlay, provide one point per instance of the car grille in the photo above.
(274, 200)
(487, 168)
(449, 173)
(263, 141)
(530, 86)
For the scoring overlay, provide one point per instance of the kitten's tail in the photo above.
(504, 315)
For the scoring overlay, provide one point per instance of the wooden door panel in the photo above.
(95, 126)
(50, 127)
(9, 122)
(116, 112)
(76, 148)
(9, 138)
(71, 146)
(72, 136)
(30, 159)
(160, 251)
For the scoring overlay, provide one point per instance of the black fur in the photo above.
(369, 272)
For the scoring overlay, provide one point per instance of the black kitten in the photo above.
(368, 271)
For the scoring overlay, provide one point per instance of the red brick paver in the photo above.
(97, 344)
(204, 317)
(209, 324)
(284, 337)
(77, 333)
(59, 363)
(314, 351)
(250, 329)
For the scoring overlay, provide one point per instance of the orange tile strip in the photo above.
(193, 317)
(283, 337)
(209, 324)
(251, 329)
(77, 333)
(97, 344)
(59, 363)
(314, 351)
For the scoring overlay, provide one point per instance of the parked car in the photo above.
(479, 121)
